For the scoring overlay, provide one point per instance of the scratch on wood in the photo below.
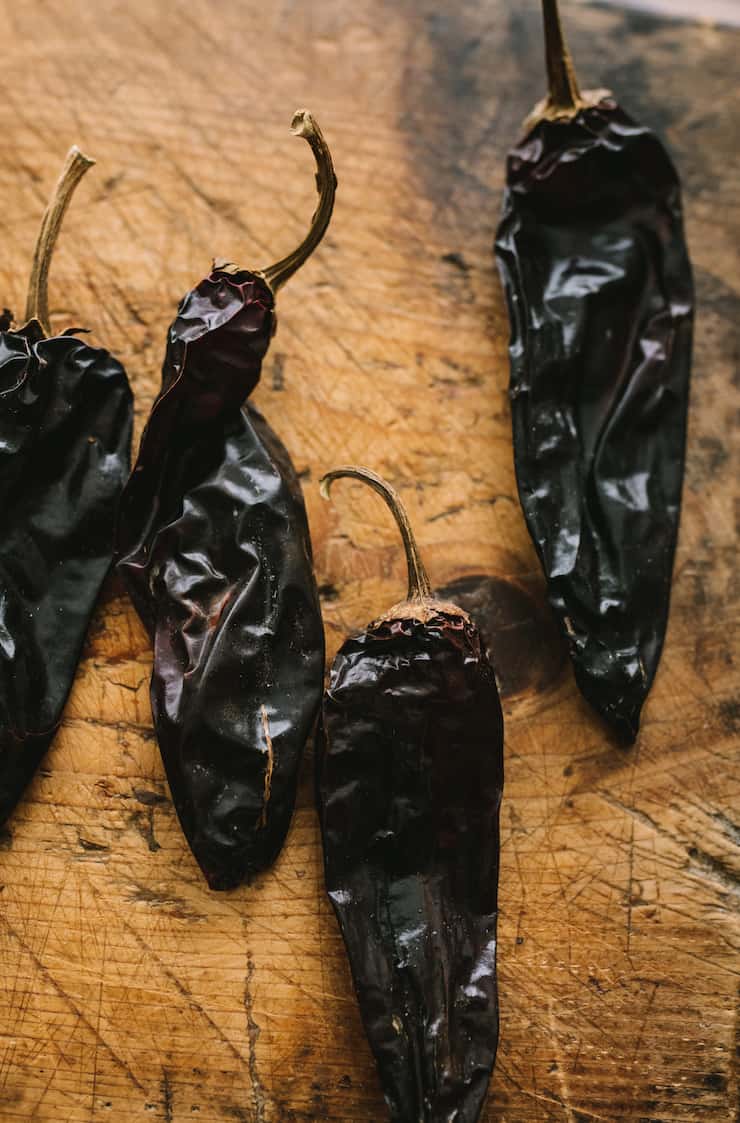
(278, 372)
(172, 977)
(81, 1017)
(699, 862)
(714, 868)
(562, 1075)
(457, 260)
(541, 1098)
(727, 826)
(149, 798)
(454, 510)
(143, 822)
(145, 732)
(253, 1033)
(168, 902)
(88, 844)
(630, 882)
(127, 686)
(167, 1100)
(646, 1017)
(93, 1095)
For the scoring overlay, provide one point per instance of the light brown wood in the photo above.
(128, 991)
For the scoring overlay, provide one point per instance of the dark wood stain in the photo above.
(520, 634)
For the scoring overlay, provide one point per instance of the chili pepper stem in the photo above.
(565, 98)
(37, 303)
(303, 125)
(564, 91)
(419, 586)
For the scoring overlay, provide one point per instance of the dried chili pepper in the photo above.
(599, 287)
(214, 546)
(65, 441)
(410, 774)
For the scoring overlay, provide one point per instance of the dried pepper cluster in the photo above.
(211, 537)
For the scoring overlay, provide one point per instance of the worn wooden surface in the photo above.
(127, 991)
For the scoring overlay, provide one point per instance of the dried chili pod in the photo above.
(214, 546)
(599, 287)
(65, 441)
(409, 782)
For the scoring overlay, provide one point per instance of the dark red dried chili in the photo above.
(592, 254)
(214, 547)
(65, 439)
(409, 781)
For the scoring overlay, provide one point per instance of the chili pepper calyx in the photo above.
(303, 125)
(75, 166)
(546, 110)
(422, 610)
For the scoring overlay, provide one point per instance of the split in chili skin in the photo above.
(599, 288)
(66, 415)
(409, 784)
(214, 547)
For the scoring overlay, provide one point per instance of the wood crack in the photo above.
(253, 1033)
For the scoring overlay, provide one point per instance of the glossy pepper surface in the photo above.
(410, 776)
(599, 286)
(65, 437)
(214, 546)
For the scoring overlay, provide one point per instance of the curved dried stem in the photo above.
(303, 125)
(419, 587)
(37, 303)
(564, 98)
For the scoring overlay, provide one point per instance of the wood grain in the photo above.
(127, 991)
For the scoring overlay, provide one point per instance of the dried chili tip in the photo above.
(564, 99)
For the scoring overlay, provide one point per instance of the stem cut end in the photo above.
(303, 125)
(76, 165)
(419, 587)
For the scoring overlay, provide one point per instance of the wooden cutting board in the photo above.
(128, 992)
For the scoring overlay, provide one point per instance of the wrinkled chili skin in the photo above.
(65, 439)
(214, 547)
(409, 779)
(599, 287)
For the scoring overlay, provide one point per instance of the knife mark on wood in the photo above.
(253, 1033)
